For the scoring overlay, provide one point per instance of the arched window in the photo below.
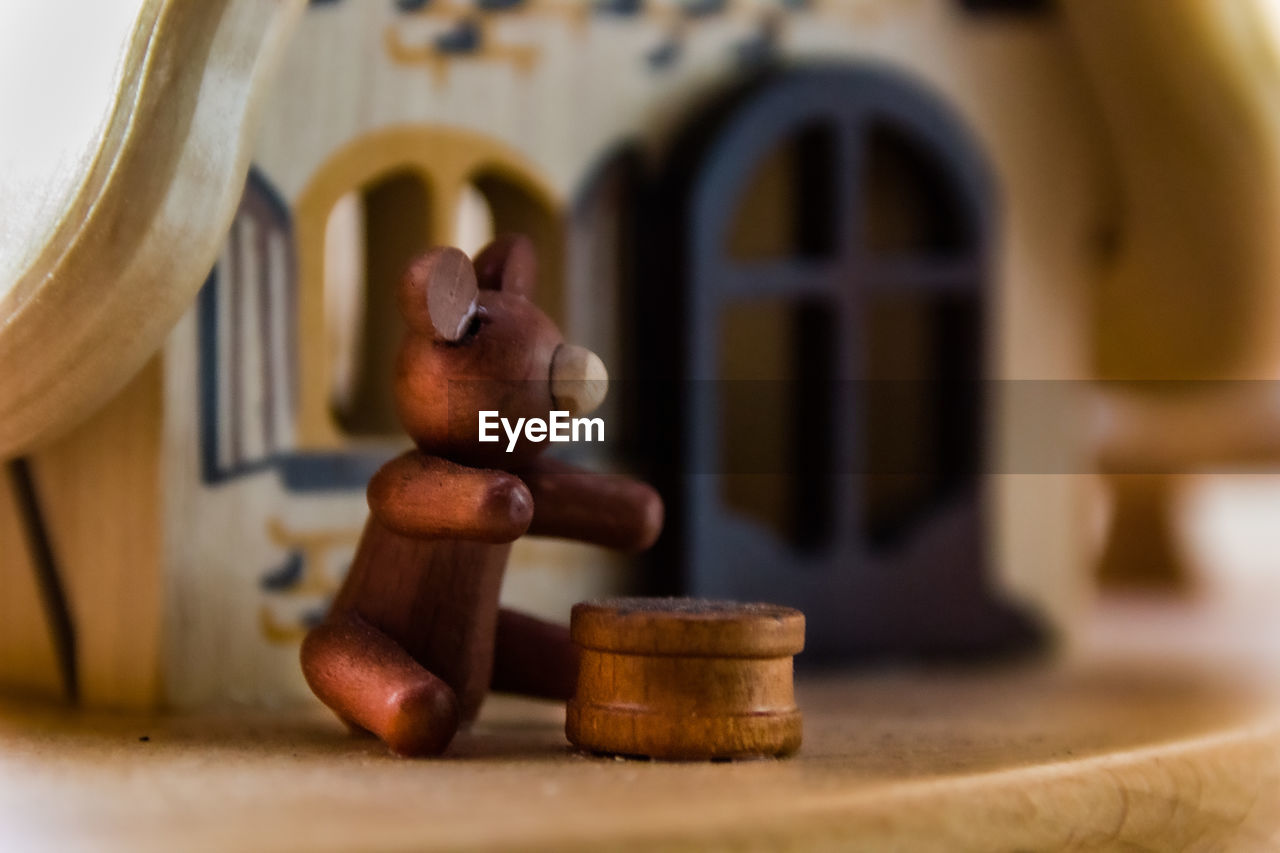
(827, 237)
(371, 236)
(298, 325)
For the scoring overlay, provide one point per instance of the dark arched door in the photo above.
(828, 260)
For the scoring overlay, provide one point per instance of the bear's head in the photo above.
(475, 341)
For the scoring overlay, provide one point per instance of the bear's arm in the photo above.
(603, 509)
(426, 497)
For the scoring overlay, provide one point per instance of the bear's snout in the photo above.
(579, 381)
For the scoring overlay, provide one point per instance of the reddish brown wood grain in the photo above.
(604, 509)
(684, 679)
(414, 639)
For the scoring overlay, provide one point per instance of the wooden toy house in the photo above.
(823, 237)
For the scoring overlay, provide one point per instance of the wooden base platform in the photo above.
(1122, 750)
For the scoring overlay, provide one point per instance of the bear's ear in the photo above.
(509, 264)
(438, 294)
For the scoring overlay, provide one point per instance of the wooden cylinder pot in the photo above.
(684, 679)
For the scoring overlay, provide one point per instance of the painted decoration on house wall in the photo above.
(437, 34)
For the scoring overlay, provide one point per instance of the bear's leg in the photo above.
(371, 682)
(534, 658)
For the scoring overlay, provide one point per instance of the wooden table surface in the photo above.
(1122, 749)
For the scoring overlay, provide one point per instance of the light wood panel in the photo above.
(114, 216)
(1189, 294)
(28, 658)
(1186, 89)
(1124, 751)
(100, 492)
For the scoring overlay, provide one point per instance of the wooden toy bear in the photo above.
(415, 636)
